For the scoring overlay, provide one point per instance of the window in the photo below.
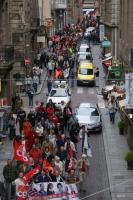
(58, 93)
(85, 71)
(84, 111)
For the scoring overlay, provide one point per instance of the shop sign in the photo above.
(106, 44)
(27, 61)
(41, 39)
(3, 102)
(129, 90)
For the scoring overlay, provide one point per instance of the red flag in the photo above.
(32, 173)
(19, 154)
(22, 192)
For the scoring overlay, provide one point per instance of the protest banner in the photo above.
(53, 191)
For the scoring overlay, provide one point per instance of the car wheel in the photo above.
(93, 84)
(100, 132)
(78, 84)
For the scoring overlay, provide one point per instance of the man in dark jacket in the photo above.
(21, 115)
(32, 117)
(62, 153)
(10, 174)
(42, 177)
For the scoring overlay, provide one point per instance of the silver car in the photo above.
(88, 114)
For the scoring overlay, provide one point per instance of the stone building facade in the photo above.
(19, 23)
(126, 33)
(110, 17)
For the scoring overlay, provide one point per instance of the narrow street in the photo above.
(97, 183)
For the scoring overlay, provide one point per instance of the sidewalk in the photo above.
(120, 179)
(38, 93)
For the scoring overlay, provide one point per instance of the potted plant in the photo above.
(121, 126)
(129, 159)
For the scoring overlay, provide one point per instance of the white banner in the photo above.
(129, 90)
(53, 191)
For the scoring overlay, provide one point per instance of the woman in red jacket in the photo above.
(35, 153)
(50, 111)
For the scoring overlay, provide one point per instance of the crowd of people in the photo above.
(45, 149)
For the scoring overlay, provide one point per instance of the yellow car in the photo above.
(85, 74)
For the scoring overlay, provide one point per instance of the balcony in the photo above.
(60, 4)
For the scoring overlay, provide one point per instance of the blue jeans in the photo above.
(112, 117)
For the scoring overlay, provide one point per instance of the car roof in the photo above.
(84, 53)
(88, 105)
(86, 64)
(84, 46)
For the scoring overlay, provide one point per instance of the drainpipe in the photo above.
(116, 34)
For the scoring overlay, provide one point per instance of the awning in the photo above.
(108, 55)
(106, 44)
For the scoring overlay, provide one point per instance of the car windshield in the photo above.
(84, 111)
(58, 93)
(85, 71)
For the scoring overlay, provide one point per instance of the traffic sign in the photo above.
(27, 61)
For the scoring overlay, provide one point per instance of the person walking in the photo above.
(84, 166)
(30, 93)
(84, 135)
(50, 67)
(10, 174)
(21, 115)
(12, 126)
(112, 109)
(72, 76)
(49, 83)
(35, 82)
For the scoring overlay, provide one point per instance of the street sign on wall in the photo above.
(102, 32)
(129, 90)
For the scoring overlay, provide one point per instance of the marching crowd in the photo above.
(46, 148)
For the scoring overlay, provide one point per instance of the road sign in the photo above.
(106, 44)
(27, 61)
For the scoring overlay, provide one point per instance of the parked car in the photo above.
(60, 92)
(88, 114)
